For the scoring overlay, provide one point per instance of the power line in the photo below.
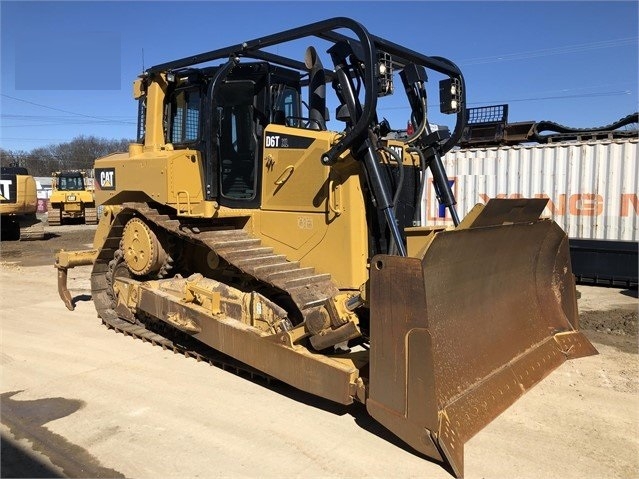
(34, 139)
(69, 123)
(55, 109)
(59, 124)
(583, 47)
(59, 120)
(55, 119)
(561, 97)
(513, 100)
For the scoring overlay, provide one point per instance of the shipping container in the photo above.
(591, 188)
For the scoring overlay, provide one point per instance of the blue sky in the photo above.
(67, 67)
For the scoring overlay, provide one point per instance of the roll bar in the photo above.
(368, 45)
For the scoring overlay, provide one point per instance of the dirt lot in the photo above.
(40, 253)
(81, 401)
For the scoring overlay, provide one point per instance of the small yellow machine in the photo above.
(71, 199)
(18, 205)
(240, 223)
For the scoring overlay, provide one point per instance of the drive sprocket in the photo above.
(143, 252)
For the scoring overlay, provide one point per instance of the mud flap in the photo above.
(459, 333)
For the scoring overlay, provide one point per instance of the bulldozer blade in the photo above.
(459, 333)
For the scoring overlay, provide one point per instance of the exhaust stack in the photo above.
(316, 90)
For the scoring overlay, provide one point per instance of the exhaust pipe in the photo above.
(316, 90)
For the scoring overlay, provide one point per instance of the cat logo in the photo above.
(5, 194)
(399, 152)
(106, 178)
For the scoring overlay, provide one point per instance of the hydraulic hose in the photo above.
(392, 248)
(422, 183)
(400, 181)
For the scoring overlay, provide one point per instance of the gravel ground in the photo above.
(80, 401)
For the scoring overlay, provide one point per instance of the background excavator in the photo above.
(239, 222)
(18, 205)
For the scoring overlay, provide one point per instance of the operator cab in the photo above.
(223, 115)
(70, 182)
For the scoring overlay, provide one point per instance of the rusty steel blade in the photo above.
(461, 332)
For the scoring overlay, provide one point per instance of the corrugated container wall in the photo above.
(591, 186)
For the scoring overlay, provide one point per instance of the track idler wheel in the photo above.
(143, 253)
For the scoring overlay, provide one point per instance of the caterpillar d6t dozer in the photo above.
(71, 199)
(239, 223)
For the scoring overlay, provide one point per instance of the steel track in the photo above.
(190, 348)
(306, 289)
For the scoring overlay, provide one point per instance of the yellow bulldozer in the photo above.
(71, 199)
(18, 205)
(240, 224)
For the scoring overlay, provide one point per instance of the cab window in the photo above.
(286, 105)
(69, 183)
(237, 140)
(185, 116)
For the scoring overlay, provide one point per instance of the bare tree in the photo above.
(77, 154)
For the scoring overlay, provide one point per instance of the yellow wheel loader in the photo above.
(71, 199)
(240, 224)
(18, 205)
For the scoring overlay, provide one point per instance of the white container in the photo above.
(592, 185)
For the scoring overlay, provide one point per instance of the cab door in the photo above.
(238, 151)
